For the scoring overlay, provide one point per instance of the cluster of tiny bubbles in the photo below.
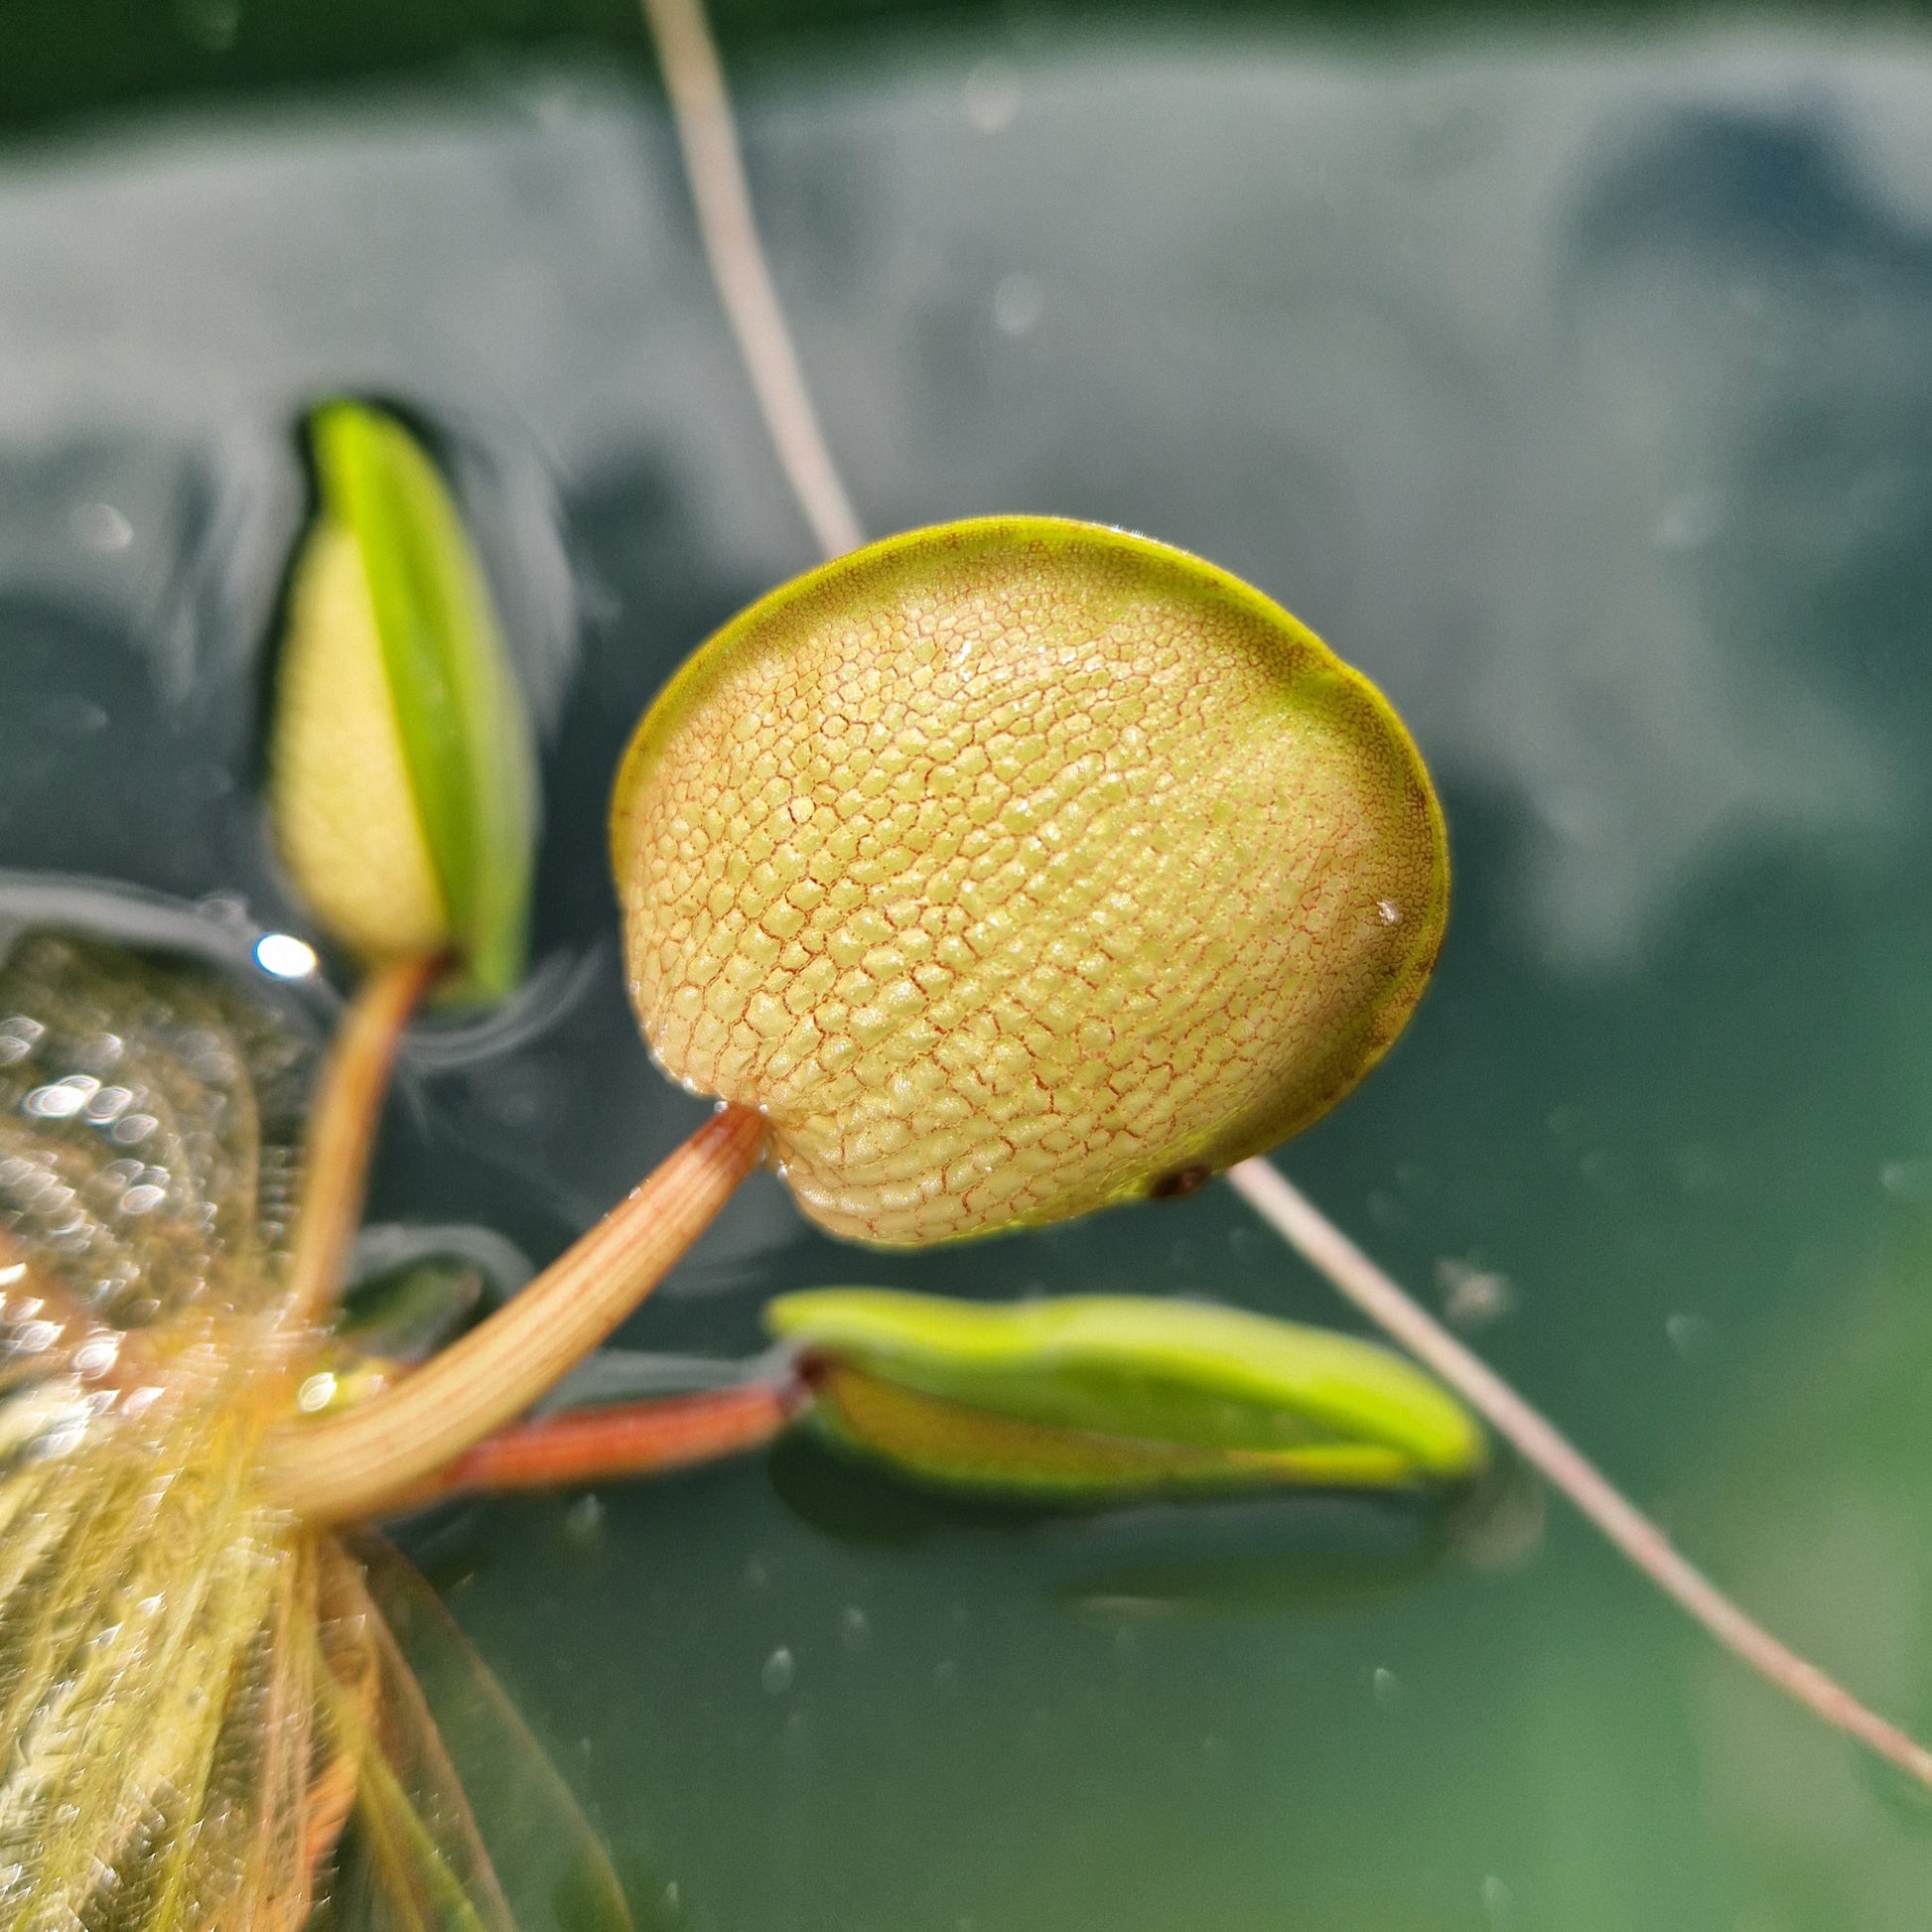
(105, 1139)
(61, 1201)
(55, 1416)
(151, 1109)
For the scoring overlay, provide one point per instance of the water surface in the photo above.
(1578, 389)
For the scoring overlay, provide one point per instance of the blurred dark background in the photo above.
(70, 60)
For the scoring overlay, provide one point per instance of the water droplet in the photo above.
(1385, 1686)
(1700, 1169)
(63, 1439)
(992, 96)
(1507, 1526)
(583, 1521)
(143, 1199)
(69, 715)
(134, 1128)
(780, 1669)
(317, 1392)
(62, 1099)
(1386, 1211)
(210, 24)
(96, 1355)
(1690, 520)
(1472, 1296)
(202, 779)
(102, 529)
(1689, 1334)
(1906, 1179)
(1018, 303)
(102, 1054)
(855, 1628)
(1602, 1170)
(285, 956)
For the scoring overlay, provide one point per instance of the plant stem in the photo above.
(342, 1125)
(354, 1464)
(729, 230)
(622, 1440)
(1312, 1234)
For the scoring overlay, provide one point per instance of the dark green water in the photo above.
(1581, 389)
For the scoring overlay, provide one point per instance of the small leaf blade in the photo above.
(1118, 1395)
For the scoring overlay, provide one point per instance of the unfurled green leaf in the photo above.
(1114, 1395)
(1018, 867)
(402, 777)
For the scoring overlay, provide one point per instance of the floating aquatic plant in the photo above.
(995, 874)
(990, 876)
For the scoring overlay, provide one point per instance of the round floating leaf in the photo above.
(402, 777)
(1112, 1396)
(1018, 867)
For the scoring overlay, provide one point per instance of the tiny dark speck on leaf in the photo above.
(1178, 1183)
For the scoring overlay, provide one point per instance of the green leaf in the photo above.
(1111, 1396)
(1017, 868)
(389, 558)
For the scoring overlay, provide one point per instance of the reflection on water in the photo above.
(1241, 1553)
(1618, 356)
(1836, 1489)
(1584, 394)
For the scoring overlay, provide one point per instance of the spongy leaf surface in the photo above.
(1012, 867)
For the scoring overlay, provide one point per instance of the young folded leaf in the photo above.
(1111, 1397)
(402, 783)
(1018, 867)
